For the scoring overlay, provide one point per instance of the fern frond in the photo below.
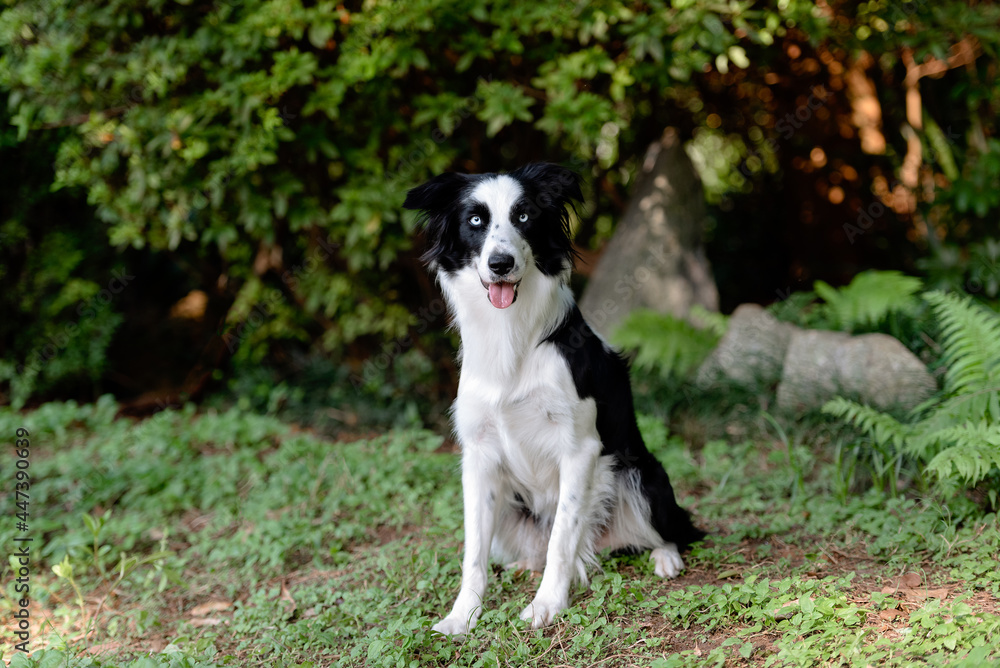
(665, 343)
(869, 298)
(880, 427)
(960, 408)
(798, 308)
(960, 433)
(712, 320)
(970, 337)
(970, 451)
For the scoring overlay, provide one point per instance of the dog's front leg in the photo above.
(576, 481)
(480, 493)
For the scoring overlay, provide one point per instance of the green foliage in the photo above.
(344, 554)
(970, 339)
(329, 398)
(873, 301)
(957, 435)
(870, 298)
(973, 267)
(883, 428)
(969, 452)
(60, 350)
(667, 344)
(59, 315)
(969, 208)
(227, 132)
(713, 320)
(977, 191)
(885, 454)
(269, 143)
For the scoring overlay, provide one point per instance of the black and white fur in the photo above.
(554, 469)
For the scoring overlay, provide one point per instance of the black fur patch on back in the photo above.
(601, 373)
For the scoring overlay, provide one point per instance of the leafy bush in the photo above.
(59, 310)
(671, 346)
(973, 268)
(870, 298)
(267, 144)
(968, 209)
(276, 139)
(873, 301)
(957, 434)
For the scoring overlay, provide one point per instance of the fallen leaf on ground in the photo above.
(209, 607)
(290, 605)
(207, 621)
(924, 594)
(908, 581)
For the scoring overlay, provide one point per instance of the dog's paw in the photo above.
(668, 561)
(541, 612)
(456, 627)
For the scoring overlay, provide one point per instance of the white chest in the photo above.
(527, 425)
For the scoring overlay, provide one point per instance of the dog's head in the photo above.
(500, 225)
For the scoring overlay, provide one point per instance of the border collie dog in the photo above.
(554, 469)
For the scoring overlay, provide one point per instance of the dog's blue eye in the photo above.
(475, 221)
(523, 218)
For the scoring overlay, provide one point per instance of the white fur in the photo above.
(524, 429)
(500, 194)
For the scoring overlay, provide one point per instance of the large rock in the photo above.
(655, 258)
(878, 370)
(808, 367)
(873, 369)
(810, 374)
(751, 353)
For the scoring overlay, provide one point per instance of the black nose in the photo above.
(501, 263)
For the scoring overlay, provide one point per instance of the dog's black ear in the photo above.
(435, 200)
(437, 195)
(554, 185)
(551, 191)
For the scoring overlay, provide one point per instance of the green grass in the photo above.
(249, 542)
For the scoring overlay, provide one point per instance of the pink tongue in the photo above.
(501, 294)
